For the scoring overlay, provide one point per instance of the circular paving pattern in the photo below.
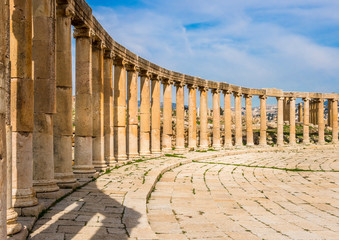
(276, 195)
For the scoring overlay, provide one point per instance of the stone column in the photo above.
(98, 105)
(334, 119)
(63, 118)
(228, 118)
(329, 112)
(300, 113)
(249, 120)
(22, 102)
(286, 109)
(155, 116)
(216, 119)
(180, 118)
(108, 109)
(263, 126)
(292, 121)
(192, 117)
(321, 121)
(145, 114)
(119, 110)
(83, 155)
(167, 116)
(132, 112)
(280, 121)
(238, 121)
(306, 122)
(203, 118)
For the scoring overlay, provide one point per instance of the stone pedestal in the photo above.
(167, 116)
(249, 120)
(203, 119)
(292, 121)
(22, 102)
(216, 119)
(306, 122)
(119, 110)
(83, 154)
(238, 120)
(132, 112)
(263, 126)
(108, 109)
(98, 105)
(63, 118)
(321, 121)
(334, 118)
(192, 117)
(180, 118)
(145, 114)
(280, 121)
(228, 119)
(155, 116)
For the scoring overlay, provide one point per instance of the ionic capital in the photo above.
(65, 9)
(144, 73)
(280, 98)
(192, 86)
(118, 61)
(109, 54)
(131, 67)
(292, 98)
(83, 33)
(215, 90)
(166, 81)
(179, 83)
(227, 92)
(237, 94)
(306, 99)
(98, 44)
(247, 96)
(264, 97)
(203, 89)
(154, 77)
(333, 100)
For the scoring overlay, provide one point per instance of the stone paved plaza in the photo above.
(285, 194)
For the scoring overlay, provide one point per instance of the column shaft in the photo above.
(108, 109)
(300, 113)
(334, 119)
(180, 118)
(321, 121)
(22, 102)
(98, 106)
(329, 112)
(203, 119)
(280, 121)
(292, 121)
(119, 110)
(83, 154)
(249, 120)
(263, 126)
(155, 117)
(238, 120)
(192, 118)
(167, 117)
(228, 119)
(144, 114)
(132, 112)
(63, 118)
(306, 122)
(216, 119)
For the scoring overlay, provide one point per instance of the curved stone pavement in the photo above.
(250, 196)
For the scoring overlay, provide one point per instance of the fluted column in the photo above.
(203, 118)
(98, 105)
(155, 116)
(108, 109)
(292, 121)
(119, 110)
(132, 112)
(334, 118)
(249, 120)
(216, 119)
(263, 126)
(306, 122)
(238, 120)
(300, 113)
(228, 118)
(22, 102)
(192, 117)
(83, 154)
(321, 121)
(180, 118)
(280, 121)
(145, 114)
(167, 116)
(63, 119)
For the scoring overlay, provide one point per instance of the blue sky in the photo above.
(291, 44)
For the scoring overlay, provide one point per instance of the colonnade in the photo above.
(36, 121)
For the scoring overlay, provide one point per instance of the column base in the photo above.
(321, 143)
(121, 158)
(66, 180)
(100, 165)
(110, 161)
(13, 226)
(263, 145)
(180, 149)
(50, 195)
(228, 145)
(307, 142)
(145, 154)
(24, 198)
(216, 146)
(203, 148)
(166, 150)
(249, 144)
(42, 186)
(84, 171)
(33, 211)
(133, 156)
(292, 144)
(20, 235)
